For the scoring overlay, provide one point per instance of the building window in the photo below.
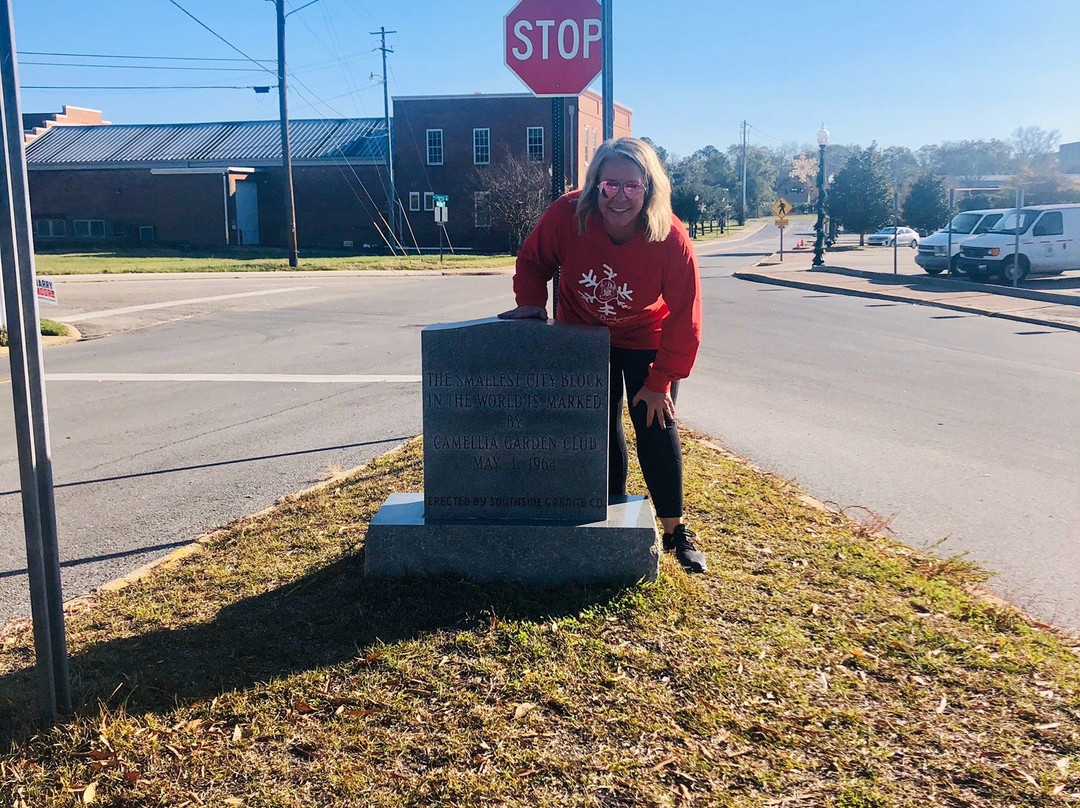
(534, 138)
(89, 228)
(482, 209)
(434, 147)
(147, 233)
(481, 146)
(414, 200)
(429, 200)
(50, 228)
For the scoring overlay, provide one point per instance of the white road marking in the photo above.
(94, 315)
(264, 378)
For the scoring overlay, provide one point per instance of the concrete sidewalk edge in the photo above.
(824, 287)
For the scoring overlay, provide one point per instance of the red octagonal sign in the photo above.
(554, 46)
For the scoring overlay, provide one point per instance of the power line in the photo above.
(216, 34)
(149, 67)
(128, 56)
(140, 87)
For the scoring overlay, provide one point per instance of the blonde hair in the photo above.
(656, 211)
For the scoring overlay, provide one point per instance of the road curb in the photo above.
(821, 287)
(954, 283)
(73, 335)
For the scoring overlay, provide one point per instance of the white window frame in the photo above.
(529, 144)
(89, 226)
(429, 200)
(50, 228)
(414, 200)
(434, 150)
(481, 203)
(481, 146)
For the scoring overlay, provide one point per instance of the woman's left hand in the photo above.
(658, 405)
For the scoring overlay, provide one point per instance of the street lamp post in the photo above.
(819, 227)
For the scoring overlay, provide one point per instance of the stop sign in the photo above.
(554, 46)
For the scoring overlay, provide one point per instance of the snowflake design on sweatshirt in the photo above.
(605, 291)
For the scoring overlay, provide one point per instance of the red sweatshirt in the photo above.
(647, 293)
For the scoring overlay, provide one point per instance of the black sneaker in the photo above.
(682, 542)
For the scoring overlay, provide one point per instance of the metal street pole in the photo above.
(608, 81)
(286, 152)
(28, 395)
(742, 210)
(952, 202)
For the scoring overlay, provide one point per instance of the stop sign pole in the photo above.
(556, 47)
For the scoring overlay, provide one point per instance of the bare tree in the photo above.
(1033, 145)
(519, 191)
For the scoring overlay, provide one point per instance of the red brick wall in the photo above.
(332, 204)
(507, 117)
(185, 208)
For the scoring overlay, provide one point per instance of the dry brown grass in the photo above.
(817, 664)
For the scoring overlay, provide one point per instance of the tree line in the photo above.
(863, 184)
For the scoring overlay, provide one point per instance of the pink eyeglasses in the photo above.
(633, 190)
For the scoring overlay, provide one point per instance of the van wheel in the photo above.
(954, 266)
(932, 271)
(1011, 273)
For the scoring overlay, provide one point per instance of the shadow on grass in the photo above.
(326, 618)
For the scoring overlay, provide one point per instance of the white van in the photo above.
(934, 255)
(1049, 244)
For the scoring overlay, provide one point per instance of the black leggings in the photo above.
(658, 449)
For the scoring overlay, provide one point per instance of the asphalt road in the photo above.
(960, 428)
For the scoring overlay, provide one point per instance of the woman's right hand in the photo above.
(525, 313)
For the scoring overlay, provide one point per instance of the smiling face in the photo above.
(620, 212)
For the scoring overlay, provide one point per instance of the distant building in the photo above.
(1069, 157)
(206, 185)
(211, 185)
(444, 144)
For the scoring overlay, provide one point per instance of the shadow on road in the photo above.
(220, 463)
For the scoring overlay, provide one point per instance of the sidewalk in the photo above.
(868, 272)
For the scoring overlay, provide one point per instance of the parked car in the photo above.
(934, 255)
(885, 236)
(1040, 240)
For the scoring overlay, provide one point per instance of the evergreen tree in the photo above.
(926, 207)
(860, 198)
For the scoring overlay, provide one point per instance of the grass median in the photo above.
(241, 260)
(816, 664)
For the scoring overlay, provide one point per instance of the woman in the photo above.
(627, 263)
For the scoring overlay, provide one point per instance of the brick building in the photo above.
(210, 185)
(444, 144)
(205, 185)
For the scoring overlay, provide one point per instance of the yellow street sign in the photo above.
(781, 222)
(781, 207)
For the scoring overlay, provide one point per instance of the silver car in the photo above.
(886, 235)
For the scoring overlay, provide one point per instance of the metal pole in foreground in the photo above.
(286, 151)
(28, 394)
(607, 83)
(896, 230)
(952, 203)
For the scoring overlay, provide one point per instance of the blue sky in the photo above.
(900, 73)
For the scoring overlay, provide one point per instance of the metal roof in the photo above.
(360, 140)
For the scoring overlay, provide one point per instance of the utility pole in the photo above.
(286, 152)
(607, 82)
(391, 197)
(742, 210)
